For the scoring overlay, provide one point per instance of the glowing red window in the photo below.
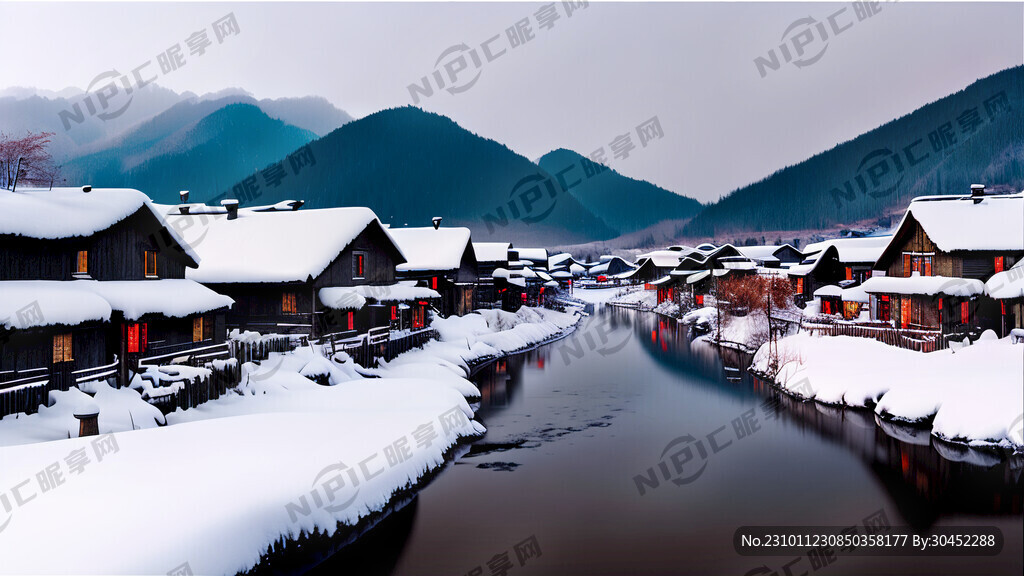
(394, 312)
(999, 263)
(965, 313)
(351, 320)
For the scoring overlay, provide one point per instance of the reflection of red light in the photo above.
(905, 463)
(654, 336)
(664, 345)
(540, 363)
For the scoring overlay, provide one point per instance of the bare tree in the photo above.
(27, 160)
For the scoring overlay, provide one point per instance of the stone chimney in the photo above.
(184, 196)
(231, 206)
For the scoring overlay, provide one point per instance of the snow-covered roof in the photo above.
(560, 258)
(171, 297)
(577, 269)
(270, 246)
(662, 258)
(958, 223)
(855, 294)
(829, 290)
(533, 254)
(926, 285)
(491, 251)
(850, 250)
(355, 297)
(70, 212)
(429, 249)
(1007, 284)
(35, 303)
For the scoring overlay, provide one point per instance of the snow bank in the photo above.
(237, 472)
(973, 395)
(119, 410)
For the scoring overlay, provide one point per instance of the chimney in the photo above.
(977, 190)
(231, 206)
(184, 208)
(184, 196)
(87, 188)
(437, 222)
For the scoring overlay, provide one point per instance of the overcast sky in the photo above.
(580, 84)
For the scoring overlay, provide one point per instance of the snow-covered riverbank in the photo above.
(973, 395)
(280, 458)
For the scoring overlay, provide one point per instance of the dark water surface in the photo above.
(571, 424)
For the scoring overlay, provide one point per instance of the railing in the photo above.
(247, 351)
(910, 339)
(26, 393)
(97, 373)
(190, 356)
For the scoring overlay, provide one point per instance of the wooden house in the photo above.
(1007, 289)
(610, 266)
(699, 272)
(490, 256)
(440, 259)
(931, 274)
(819, 269)
(855, 255)
(110, 244)
(774, 256)
(276, 265)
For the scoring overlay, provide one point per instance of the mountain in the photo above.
(409, 165)
(973, 136)
(196, 146)
(29, 109)
(311, 113)
(623, 203)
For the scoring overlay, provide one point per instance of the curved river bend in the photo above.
(572, 424)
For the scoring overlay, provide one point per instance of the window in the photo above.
(826, 306)
(999, 263)
(351, 320)
(62, 348)
(799, 285)
(288, 305)
(906, 265)
(433, 283)
(82, 264)
(359, 264)
(965, 313)
(150, 264)
(904, 312)
(926, 270)
(419, 314)
(849, 273)
(394, 313)
(136, 336)
(883, 311)
(202, 329)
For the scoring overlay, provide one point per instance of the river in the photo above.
(572, 424)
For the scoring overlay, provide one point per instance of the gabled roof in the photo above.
(491, 251)
(71, 213)
(810, 263)
(430, 249)
(536, 255)
(764, 253)
(865, 250)
(261, 247)
(993, 222)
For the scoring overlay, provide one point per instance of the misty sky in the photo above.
(591, 77)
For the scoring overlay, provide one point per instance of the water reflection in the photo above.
(546, 464)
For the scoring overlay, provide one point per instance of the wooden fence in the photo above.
(195, 391)
(377, 343)
(25, 391)
(910, 339)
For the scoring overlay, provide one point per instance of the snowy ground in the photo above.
(596, 295)
(974, 394)
(221, 482)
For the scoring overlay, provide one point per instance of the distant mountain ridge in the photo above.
(199, 146)
(409, 165)
(623, 203)
(28, 109)
(975, 135)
